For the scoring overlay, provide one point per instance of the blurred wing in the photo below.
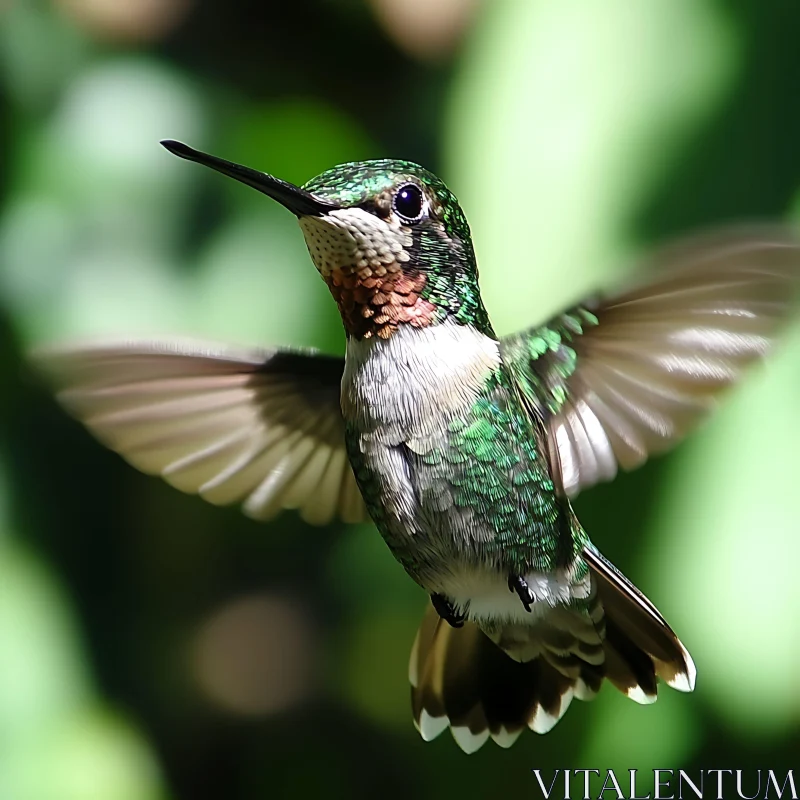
(625, 377)
(261, 428)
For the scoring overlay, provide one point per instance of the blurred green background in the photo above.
(153, 646)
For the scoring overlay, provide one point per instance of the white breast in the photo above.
(401, 394)
(401, 388)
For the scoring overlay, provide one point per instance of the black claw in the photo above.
(444, 608)
(516, 583)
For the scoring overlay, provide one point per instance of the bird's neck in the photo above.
(376, 303)
(417, 374)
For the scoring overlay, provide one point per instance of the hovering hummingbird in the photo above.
(464, 448)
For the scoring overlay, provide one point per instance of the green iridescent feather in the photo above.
(542, 359)
(499, 472)
(354, 183)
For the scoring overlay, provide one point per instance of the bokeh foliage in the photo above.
(152, 646)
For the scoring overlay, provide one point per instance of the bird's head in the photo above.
(387, 236)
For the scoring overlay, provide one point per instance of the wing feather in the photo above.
(258, 427)
(623, 378)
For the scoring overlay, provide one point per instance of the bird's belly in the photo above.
(483, 595)
(395, 489)
(447, 548)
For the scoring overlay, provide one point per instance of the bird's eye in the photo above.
(408, 202)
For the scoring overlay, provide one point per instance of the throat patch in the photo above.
(376, 302)
(365, 261)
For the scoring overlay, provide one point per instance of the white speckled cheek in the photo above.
(352, 239)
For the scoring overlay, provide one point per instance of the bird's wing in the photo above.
(627, 376)
(259, 427)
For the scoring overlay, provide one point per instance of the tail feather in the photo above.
(641, 623)
(462, 679)
(629, 668)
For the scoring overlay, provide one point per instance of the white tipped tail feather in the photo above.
(463, 679)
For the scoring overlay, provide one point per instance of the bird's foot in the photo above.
(518, 584)
(444, 608)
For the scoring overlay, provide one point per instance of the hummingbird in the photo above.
(466, 449)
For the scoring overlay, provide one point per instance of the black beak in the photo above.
(297, 200)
